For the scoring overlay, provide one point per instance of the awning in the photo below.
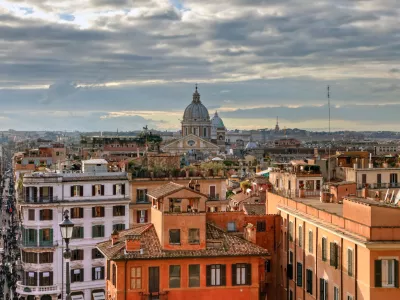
(77, 297)
(98, 296)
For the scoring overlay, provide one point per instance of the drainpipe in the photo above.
(316, 262)
(355, 263)
(341, 269)
(287, 255)
(304, 260)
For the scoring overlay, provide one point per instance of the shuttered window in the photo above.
(261, 226)
(387, 273)
(323, 289)
(98, 231)
(77, 254)
(241, 274)
(216, 275)
(98, 211)
(310, 242)
(324, 250)
(31, 215)
(118, 210)
(300, 236)
(299, 276)
(46, 214)
(136, 278)
(291, 231)
(309, 281)
(96, 253)
(77, 275)
(76, 212)
(334, 255)
(77, 232)
(118, 227)
(45, 278)
(350, 262)
(97, 273)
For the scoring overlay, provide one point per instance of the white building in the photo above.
(98, 204)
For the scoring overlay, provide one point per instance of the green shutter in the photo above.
(40, 236)
(378, 273)
(51, 236)
(93, 231)
(234, 274)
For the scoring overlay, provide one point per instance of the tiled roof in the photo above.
(254, 209)
(230, 245)
(165, 190)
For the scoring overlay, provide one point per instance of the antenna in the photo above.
(329, 133)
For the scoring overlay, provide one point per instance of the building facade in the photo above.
(182, 256)
(98, 203)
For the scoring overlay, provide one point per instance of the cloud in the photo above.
(59, 91)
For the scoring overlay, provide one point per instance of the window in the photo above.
(300, 236)
(290, 295)
(118, 211)
(290, 266)
(310, 241)
(29, 257)
(323, 289)
(77, 254)
(175, 236)
(136, 278)
(98, 190)
(141, 195)
(77, 275)
(77, 191)
(268, 266)
(97, 273)
(379, 179)
(114, 275)
(261, 226)
(194, 236)
(349, 297)
(96, 253)
(231, 226)
(386, 273)
(46, 214)
(174, 276)
(299, 272)
(45, 278)
(98, 231)
(142, 216)
(336, 293)
(350, 262)
(324, 245)
(46, 237)
(291, 231)
(29, 237)
(76, 212)
(98, 212)
(393, 179)
(334, 255)
(318, 185)
(241, 274)
(119, 227)
(31, 214)
(309, 285)
(30, 278)
(46, 257)
(119, 189)
(216, 275)
(194, 275)
(77, 232)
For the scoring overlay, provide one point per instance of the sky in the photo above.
(123, 64)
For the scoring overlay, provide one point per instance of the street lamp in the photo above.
(66, 227)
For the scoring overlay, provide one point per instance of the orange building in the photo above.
(182, 256)
(345, 249)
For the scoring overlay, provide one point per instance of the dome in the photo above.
(196, 111)
(216, 121)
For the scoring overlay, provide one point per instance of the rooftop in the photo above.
(230, 245)
(255, 209)
(97, 161)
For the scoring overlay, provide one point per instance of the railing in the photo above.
(47, 199)
(297, 193)
(39, 243)
(213, 197)
(23, 289)
(386, 185)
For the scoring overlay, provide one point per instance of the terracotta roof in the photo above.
(170, 188)
(165, 190)
(219, 243)
(254, 209)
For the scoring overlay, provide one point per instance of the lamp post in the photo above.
(66, 227)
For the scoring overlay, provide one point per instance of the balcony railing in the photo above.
(213, 197)
(386, 185)
(37, 290)
(39, 243)
(47, 199)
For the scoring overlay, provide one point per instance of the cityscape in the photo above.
(186, 149)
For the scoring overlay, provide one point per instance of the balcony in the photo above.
(36, 290)
(386, 185)
(47, 199)
(214, 197)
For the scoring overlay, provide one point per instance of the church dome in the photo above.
(251, 145)
(196, 111)
(216, 121)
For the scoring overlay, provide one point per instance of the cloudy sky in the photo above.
(108, 64)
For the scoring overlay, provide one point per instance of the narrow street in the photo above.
(9, 249)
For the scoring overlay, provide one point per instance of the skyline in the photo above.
(97, 66)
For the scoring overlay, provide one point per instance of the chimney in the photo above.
(114, 237)
(250, 233)
(364, 192)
